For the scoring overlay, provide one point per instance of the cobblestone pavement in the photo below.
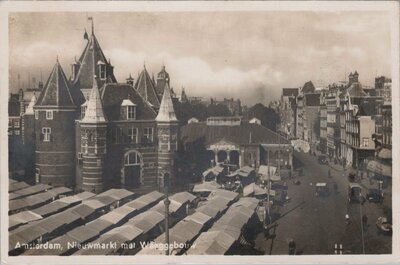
(316, 224)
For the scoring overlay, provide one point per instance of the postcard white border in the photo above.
(392, 7)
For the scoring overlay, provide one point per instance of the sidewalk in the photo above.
(365, 182)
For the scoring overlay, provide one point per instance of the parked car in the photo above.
(355, 193)
(375, 195)
(383, 225)
(322, 160)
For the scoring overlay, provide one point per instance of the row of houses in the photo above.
(349, 122)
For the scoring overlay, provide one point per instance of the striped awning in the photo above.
(385, 153)
(379, 168)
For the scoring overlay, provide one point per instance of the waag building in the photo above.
(92, 133)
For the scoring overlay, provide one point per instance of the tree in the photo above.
(268, 116)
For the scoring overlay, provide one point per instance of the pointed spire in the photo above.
(166, 112)
(56, 91)
(94, 112)
(29, 109)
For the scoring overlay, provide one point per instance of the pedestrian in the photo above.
(365, 221)
(329, 173)
(347, 217)
(292, 247)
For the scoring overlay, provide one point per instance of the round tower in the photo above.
(54, 114)
(93, 130)
(167, 132)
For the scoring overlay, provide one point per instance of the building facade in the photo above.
(91, 133)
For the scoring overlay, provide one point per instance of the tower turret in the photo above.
(162, 80)
(167, 131)
(54, 114)
(93, 130)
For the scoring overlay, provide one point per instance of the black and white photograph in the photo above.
(165, 131)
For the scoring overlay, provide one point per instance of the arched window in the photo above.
(132, 170)
(132, 158)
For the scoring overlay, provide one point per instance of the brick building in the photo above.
(92, 133)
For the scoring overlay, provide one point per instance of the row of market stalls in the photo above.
(246, 180)
(35, 196)
(227, 232)
(185, 232)
(143, 227)
(92, 230)
(54, 225)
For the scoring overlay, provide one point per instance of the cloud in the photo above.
(199, 78)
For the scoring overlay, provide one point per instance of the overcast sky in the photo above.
(246, 55)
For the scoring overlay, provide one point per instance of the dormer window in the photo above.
(83, 109)
(102, 70)
(128, 110)
(131, 110)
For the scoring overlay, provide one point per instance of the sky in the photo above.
(247, 55)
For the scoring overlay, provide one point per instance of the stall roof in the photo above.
(82, 210)
(59, 191)
(151, 197)
(12, 196)
(82, 234)
(207, 186)
(17, 186)
(23, 218)
(124, 210)
(94, 203)
(84, 195)
(183, 197)
(33, 189)
(112, 217)
(127, 231)
(50, 208)
(254, 189)
(224, 193)
(219, 202)
(26, 235)
(147, 220)
(212, 243)
(117, 194)
(199, 218)
(209, 210)
(105, 199)
(62, 240)
(99, 225)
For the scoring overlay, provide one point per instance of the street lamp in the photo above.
(167, 202)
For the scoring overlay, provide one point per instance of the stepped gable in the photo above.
(146, 88)
(56, 92)
(166, 112)
(112, 96)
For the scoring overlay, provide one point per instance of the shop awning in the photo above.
(379, 168)
(385, 153)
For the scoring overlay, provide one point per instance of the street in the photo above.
(316, 224)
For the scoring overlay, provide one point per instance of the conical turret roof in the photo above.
(56, 92)
(166, 112)
(91, 57)
(146, 88)
(94, 112)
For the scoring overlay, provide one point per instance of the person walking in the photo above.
(347, 217)
(329, 173)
